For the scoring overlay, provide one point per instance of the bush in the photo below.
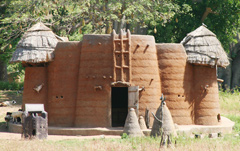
(10, 86)
(124, 136)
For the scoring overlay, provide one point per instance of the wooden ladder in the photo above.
(121, 56)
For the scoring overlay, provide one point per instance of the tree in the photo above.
(167, 20)
(74, 18)
(222, 17)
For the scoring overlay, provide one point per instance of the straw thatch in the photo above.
(36, 46)
(204, 48)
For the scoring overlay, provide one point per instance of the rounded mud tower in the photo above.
(40, 78)
(206, 106)
(176, 77)
(145, 73)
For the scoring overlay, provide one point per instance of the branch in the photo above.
(156, 118)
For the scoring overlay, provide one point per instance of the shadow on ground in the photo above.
(11, 95)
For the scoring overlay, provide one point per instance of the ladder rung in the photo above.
(118, 52)
(124, 39)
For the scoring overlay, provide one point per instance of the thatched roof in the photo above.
(37, 45)
(204, 48)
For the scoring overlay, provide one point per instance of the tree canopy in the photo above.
(220, 16)
(167, 20)
(74, 18)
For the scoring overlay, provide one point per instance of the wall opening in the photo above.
(119, 106)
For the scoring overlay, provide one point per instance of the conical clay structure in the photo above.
(131, 126)
(142, 123)
(156, 124)
(167, 122)
(168, 125)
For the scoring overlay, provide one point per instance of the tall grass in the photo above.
(230, 106)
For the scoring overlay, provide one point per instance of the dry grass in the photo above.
(229, 105)
(230, 102)
(144, 144)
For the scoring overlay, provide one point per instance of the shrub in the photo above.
(10, 86)
(124, 136)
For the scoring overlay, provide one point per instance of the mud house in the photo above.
(93, 83)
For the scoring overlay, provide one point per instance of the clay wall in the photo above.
(93, 106)
(145, 73)
(205, 95)
(62, 84)
(35, 76)
(176, 77)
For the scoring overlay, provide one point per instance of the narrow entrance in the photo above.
(119, 106)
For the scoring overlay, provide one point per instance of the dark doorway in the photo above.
(119, 106)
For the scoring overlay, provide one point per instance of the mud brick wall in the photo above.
(62, 84)
(93, 107)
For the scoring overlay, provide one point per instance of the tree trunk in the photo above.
(3, 71)
(231, 75)
(236, 71)
(226, 75)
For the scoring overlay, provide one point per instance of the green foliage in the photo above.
(236, 119)
(230, 101)
(74, 18)
(223, 21)
(168, 21)
(10, 86)
(124, 136)
(230, 105)
(16, 67)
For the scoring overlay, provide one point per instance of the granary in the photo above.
(93, 83)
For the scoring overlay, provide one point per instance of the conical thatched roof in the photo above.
(36, 46)
(204, 48)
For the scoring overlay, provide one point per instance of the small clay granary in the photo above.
(93, 83)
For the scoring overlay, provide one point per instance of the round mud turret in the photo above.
(205, 94)
(176, 77)
(145, 73)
